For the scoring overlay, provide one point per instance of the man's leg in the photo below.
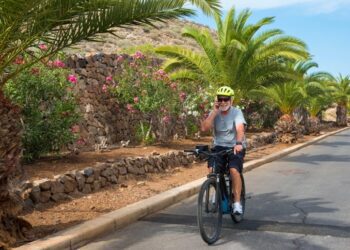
(236, 167)
(236, 184)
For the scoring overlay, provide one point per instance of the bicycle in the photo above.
(215, 197)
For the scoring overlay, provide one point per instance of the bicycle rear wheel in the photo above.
(238, 218)
(209, 211)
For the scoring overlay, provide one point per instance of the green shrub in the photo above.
(48, 107)
(144, 134)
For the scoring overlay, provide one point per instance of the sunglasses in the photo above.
(223, 99)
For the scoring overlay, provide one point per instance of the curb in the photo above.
(83, 233)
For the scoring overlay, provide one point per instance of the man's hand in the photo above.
(216, 107)
(237, 149)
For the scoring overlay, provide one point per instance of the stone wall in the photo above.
(104, 120)
(94, 178)
(111, 172)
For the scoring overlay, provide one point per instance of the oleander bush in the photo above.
(49, 109)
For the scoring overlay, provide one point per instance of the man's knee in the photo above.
(234, 172)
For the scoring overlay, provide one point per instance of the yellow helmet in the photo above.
(225, 91)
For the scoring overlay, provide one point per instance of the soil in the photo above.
(51, 217)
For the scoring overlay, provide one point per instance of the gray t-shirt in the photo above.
(225, 128)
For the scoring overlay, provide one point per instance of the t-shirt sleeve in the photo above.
(240, 118)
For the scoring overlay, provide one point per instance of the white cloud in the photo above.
(316, 6)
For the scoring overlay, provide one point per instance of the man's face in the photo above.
(224, 102)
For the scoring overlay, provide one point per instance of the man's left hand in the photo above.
(237, 149)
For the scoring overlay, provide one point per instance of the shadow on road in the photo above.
(288, 216)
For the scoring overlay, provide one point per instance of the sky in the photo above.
(324, 25)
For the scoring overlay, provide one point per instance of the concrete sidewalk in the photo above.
(81, 234)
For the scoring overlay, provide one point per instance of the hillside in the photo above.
(133, 36)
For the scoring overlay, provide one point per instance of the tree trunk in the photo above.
(314, 126)
(341, 115)
(11, 227)
(287, 129)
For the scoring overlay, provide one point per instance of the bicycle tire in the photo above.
(207, 208)
(238, 218)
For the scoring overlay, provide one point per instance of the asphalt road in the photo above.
(300, 201)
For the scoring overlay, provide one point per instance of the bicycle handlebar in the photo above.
(207, 153)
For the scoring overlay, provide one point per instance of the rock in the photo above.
(87, 172)
(57, 187)
(122, 170)
(87, 189)
(28, 204)
(45, 196)
(90, 179)
(59, 197)
(133, 170)
(81, 181)
(44, 184)
(35, 194)
(113, 179)
(107, 172)
(69, 184)
(96, 185)
(103, 181)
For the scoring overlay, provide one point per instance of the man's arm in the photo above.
(240, 132)
(207, 124)
(239, 138)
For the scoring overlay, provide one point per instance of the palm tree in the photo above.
(315, 95)
(340, 90)
(286, 97)
(237, 55)
(57, 24)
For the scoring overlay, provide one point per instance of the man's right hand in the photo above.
(216, 107)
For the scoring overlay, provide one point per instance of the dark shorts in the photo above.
(234, 161)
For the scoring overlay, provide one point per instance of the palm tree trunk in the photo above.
(10, 154)
(341, 115)
(287, 129)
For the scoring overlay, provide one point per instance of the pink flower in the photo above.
(173, 86)
(19, 60)
(182, 96)
(130, 108)
(166, 119)
(35, 71)
(138, 55)
(42, 46)
(81, 141)
(120, 58)
(73, 79)
(160, 75)
(161, 72)
(104, 88)
(75, 128)
(58, 64)
(109, 78)
(136, 99)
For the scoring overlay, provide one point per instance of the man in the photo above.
(228, 125)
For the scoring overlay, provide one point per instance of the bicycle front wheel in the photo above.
(209, 211)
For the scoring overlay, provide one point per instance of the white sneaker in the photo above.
(237, 208)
